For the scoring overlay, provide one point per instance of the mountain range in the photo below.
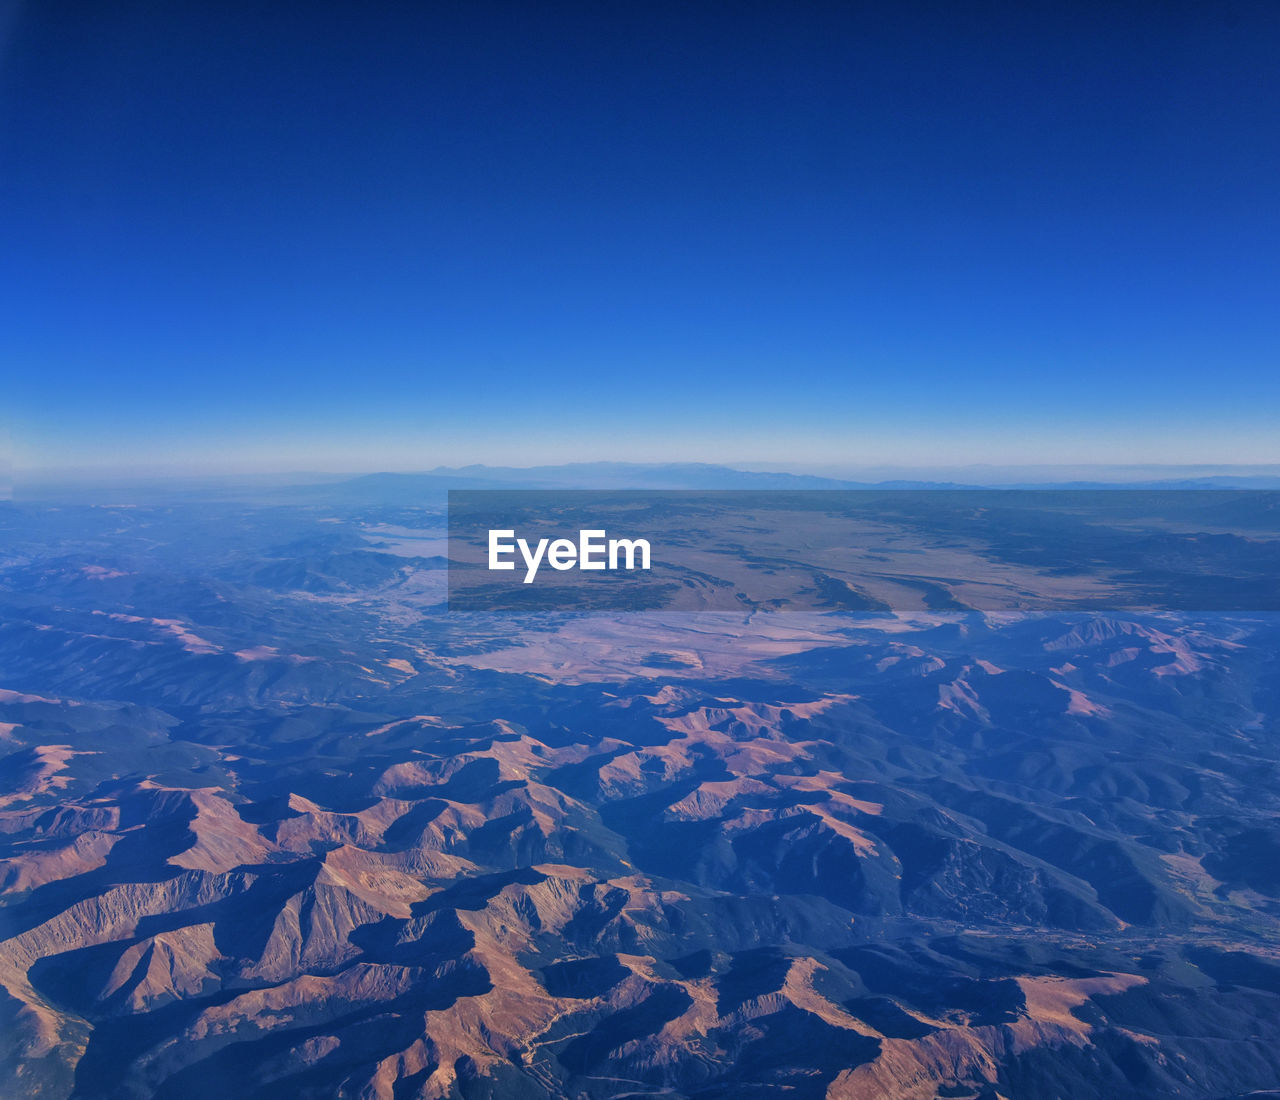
(273, 822)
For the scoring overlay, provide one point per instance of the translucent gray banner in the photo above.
(864, 550)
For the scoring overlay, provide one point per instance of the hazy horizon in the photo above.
(982, 473)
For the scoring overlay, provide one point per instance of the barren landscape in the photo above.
(275, 823)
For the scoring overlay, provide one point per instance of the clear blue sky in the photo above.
(394, 235)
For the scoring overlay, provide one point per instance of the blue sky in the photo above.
(395, 236)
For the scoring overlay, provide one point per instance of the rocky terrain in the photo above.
(273, 823)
